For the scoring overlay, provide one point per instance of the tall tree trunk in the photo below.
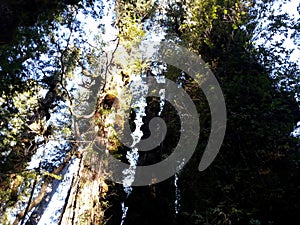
(83, 204)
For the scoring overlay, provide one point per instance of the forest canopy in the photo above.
(56, 56)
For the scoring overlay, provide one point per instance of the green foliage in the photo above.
(130, 15)
(255, 178)
(28, 68)
(70, 59)
(255, 175)
(46, 173)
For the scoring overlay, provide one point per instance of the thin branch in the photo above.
(108, 63)
(30, 199)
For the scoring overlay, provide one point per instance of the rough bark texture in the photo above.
(85, 202)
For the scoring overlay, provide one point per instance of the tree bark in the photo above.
(83, 204)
